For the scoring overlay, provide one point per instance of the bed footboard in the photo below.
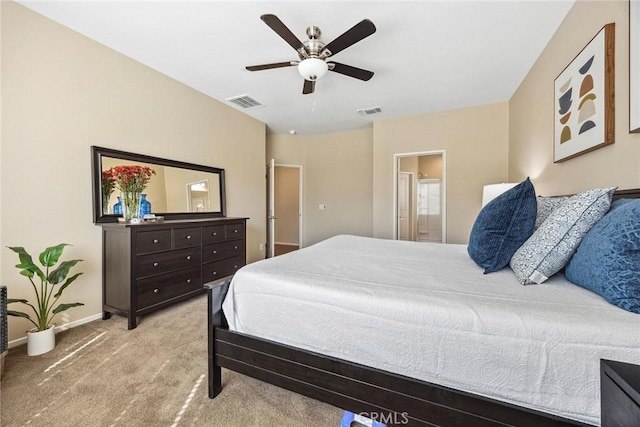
(216, 291)
(397, 399)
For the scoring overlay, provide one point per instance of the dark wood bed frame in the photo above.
(396, 399)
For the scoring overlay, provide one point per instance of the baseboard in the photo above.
(286, 244)
(64, 327)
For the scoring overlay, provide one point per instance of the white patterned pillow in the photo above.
(551, 246)
(546, 205)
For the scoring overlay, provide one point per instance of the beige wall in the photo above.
(337, 171)
(409, 164)
(287, 205)
(62, 93)
(475, 140)
(531, 111)
(430, 166)
(2, 256)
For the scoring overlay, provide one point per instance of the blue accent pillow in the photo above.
(619, 202)
(502, 226)
(607, 261)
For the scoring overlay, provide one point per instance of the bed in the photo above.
(344, 322)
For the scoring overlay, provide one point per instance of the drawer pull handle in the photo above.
(188, 280)
(215, 273)
(235, 247)
(215, 252)
(188, 236)
(235, 231)
(155, 240)
(235, 266)
(188, 257)
(155, 264)
(215, 233)
(155, 291)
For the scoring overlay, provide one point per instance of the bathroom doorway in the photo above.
(420, 196)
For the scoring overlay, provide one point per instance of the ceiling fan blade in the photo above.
(270, 66)
(350, 71)
(278, 26)
(350, 37)
(309, 87)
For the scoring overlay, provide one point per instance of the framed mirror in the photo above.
(176, 190)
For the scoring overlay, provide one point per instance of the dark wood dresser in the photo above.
(619, 394)
(146, 267)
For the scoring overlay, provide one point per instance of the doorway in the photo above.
(285, 209)
(420, 196)
(405, 199)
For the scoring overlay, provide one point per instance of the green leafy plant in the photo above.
(52, 279)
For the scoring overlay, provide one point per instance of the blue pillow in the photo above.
(502, 226)
(619, 202)
(607, 261)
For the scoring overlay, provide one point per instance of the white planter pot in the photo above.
(40, 342)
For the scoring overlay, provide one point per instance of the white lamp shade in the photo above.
(491, 191)
(313, 69)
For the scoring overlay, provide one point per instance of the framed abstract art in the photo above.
(584, 99)
(634, 66)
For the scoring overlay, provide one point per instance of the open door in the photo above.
(271, 202)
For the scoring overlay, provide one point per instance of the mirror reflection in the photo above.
(198, 196)
(170, 189)
(175, 190)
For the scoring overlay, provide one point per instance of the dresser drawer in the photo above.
(153, 241)
(219, 269)
(213, 233)
(157, 289)
(185, 237)
(218, 251)
(234, 231)
(147, 265)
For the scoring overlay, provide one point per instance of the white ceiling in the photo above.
(426, 55)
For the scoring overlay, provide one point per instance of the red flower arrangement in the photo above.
(108, 184)
(131, 179)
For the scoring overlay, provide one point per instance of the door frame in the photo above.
(411, 190)
(300, 201)
(271, 225)
(396, 162)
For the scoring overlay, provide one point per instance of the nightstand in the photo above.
(619, 394)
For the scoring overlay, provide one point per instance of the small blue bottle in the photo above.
(145, 206)
(117, 207)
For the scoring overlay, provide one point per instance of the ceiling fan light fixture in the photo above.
(313, 69)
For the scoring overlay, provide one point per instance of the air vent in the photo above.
(370, 111)
(244, 101)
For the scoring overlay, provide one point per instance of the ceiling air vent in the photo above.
(244, 101)
(369, 111)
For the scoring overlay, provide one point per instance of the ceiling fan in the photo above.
(313, 53)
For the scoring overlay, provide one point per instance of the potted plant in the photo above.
(53, 281)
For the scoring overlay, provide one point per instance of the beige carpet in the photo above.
(100, 374)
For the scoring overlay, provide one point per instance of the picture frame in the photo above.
(583, 99)
(634, 66)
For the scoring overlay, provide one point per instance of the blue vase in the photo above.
(117, 207)
(145, 206)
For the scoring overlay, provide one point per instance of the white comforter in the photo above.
(425, 310)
